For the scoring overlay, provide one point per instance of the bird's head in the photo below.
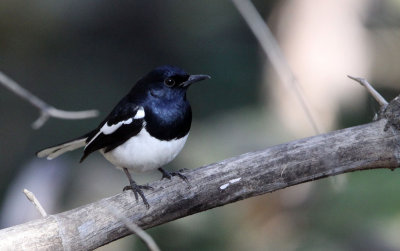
(166, 82)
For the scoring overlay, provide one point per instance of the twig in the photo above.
(46, 110)
(362, 147)
(273, 52)
(378, 97)
(145, 237)
(35, 202)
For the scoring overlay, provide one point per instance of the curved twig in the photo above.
(46, 110)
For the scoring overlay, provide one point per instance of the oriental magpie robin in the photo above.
(145, 130)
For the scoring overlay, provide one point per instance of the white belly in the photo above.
(144, 152)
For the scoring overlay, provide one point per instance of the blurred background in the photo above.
(79, 55)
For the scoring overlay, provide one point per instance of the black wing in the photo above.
(122, 124)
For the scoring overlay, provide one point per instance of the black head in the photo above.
(166, 82)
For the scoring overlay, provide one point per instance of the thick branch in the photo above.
(369, 146)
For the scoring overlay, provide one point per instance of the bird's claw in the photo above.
(137, 191)
(166, 175)
(169, 175)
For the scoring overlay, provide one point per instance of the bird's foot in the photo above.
(169, 175)
(137, 191)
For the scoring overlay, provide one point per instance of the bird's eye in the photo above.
(169, 82)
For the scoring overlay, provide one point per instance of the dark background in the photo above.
(79, 55)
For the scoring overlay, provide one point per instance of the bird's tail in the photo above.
(55, 151)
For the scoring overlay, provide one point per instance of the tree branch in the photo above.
(370, 146)
(46, 110)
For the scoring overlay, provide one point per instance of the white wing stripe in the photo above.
(106, 129)
(139, 114)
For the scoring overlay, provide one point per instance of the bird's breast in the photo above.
(144, 152)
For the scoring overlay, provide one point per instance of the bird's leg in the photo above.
(136, 189)
(168, 175)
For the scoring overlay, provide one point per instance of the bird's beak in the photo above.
(194, 78)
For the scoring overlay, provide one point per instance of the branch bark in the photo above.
(370, 146)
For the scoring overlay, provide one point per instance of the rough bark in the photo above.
(369, 146)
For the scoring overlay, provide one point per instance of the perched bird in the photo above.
(146, 129)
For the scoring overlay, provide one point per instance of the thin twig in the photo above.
(35, 202)
(273, 52)
(378, 97)
(145, 237)
(46, 110)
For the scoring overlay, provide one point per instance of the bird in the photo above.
(145, 130)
